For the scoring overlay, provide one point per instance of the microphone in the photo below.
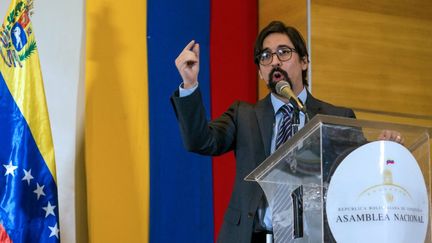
(283, 88)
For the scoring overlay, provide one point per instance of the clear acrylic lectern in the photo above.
(339, 183)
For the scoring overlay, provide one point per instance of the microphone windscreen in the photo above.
(280, 86)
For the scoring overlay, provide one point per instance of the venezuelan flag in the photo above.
(28, 191)
(141, 182)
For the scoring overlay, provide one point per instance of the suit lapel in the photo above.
(312, 105)
(265, 117)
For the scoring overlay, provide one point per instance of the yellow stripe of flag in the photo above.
(117, 136)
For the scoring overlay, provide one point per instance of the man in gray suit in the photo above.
(249, 130)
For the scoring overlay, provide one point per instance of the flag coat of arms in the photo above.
(28, 190)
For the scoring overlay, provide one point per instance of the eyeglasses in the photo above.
(283, 54)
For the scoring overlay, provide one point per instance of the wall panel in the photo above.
(372, 58)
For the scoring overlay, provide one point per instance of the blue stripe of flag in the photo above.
(181, 195)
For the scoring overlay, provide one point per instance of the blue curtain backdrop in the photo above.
(181, 201)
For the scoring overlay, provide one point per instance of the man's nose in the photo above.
(275, 60)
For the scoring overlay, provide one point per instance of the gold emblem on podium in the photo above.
(388, 188)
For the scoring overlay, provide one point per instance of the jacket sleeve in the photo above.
(200, 135)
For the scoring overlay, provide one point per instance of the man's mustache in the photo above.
(272, 84)
(277, 69)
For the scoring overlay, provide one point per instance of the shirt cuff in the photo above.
(185, 92)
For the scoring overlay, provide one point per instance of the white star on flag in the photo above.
(54, 231)
(49, 209)
(39, 190)
(27, 176)
(10, 168)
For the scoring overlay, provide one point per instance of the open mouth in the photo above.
(277, 76)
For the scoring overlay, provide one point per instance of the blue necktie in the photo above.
(285, 125)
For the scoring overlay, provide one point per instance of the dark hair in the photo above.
(292, 33)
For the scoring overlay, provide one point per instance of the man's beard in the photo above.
(276, 75)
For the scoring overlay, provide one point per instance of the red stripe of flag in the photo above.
(233, 75)
(4, 237)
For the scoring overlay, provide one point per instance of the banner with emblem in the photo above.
(28, 190)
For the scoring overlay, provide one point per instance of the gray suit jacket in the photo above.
(246, 129)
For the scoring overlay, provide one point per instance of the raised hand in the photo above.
(187, 64)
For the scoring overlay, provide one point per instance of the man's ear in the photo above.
(305, 63)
